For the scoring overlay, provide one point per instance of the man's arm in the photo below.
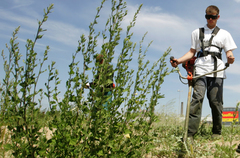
(189, 55)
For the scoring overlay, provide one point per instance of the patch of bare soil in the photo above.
(5, 138)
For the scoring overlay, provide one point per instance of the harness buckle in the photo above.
(213, 34)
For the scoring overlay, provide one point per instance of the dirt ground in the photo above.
(6, 138)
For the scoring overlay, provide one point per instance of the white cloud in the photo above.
(238, 1)
(64, 33)
(152, 9)
(21, 3)
(57, 31)
(164, 29)
(234, 88)
(5, 26)
(17, 19)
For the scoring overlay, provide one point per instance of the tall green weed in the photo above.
(78, 130)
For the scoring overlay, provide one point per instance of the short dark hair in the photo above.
(99, 58)
(212, 9)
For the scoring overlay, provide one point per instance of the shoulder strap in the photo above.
(201, 37)
(201, 33)
(214, 33)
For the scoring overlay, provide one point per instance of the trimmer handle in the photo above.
(227, 65)
(171, 58)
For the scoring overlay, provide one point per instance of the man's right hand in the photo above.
(173, 62)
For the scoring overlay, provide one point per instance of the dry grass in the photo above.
(165, 146)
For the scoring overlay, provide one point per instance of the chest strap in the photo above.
(213, 54)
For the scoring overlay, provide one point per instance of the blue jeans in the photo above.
(109, 100)
(214, 87)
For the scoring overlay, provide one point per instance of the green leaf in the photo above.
(100, 153)
(89, 68)
(73, 142)
(127, 131)
(7, 147)
(39, 36)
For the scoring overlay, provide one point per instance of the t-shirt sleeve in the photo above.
(195, 39)
(229, 43)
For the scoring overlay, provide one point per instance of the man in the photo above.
(208, 49)
(103, 82)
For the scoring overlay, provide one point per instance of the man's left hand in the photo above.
(230, 59)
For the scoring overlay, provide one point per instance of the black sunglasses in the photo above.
(211, 16)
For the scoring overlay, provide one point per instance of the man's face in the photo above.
(212, 19)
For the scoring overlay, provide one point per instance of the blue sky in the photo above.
(168, 23)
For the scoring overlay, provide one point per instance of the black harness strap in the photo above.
(214, 33)
(215, 55)
(201, 37)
